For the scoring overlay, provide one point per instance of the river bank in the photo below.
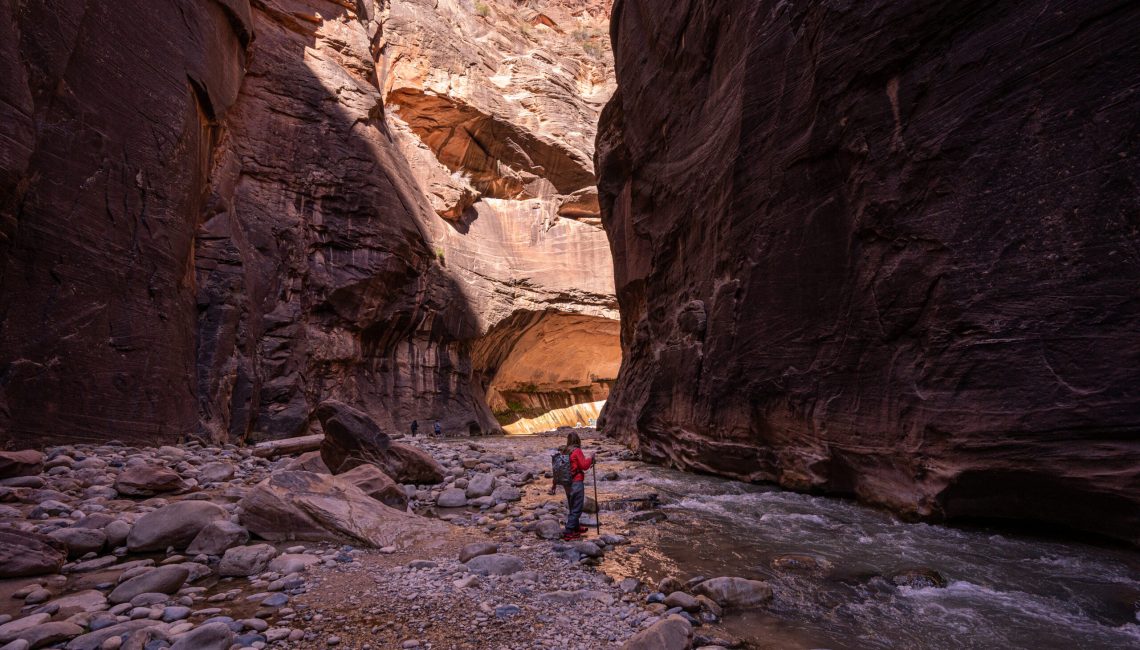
(841, 575)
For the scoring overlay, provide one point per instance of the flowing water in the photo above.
(1003, 590)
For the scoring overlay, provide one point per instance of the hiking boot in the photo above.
(571, 537)
(583, 529)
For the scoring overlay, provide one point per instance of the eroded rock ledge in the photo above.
(885, 250)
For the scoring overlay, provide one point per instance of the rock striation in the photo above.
(882, 249)
(306, 200)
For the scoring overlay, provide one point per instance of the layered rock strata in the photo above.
(882, 249)
(217, 243)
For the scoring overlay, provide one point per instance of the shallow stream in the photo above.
(1003, 590)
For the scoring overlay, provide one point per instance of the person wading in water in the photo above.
(569, 470)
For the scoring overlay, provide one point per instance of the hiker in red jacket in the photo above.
(576, 489)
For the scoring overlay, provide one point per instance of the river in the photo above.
(1002, 589)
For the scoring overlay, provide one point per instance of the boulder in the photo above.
(216, 472)
(218, 536)
(352, 438)
(673, 633)
(735, 592)
(80, 541)
(24, 553)
(319, 507)
(452, 498)
(498, 564)
(211, 636)
(94, 640)
(505, 493)
(476, 549)
(161, 580)
(13, 629)
(26, 462)
(176, 524)
(480, 485)
(293, 563)
(50, 633)
(147, 480)
(87, 601)
(246, 560)
(377, 485)
(682, 600)
(549, 529)
(309, 461)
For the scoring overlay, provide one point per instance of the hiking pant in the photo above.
(575, 501)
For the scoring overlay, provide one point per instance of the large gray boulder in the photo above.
(480, 485)
(212, 636)
(377, 485)
(320, 507)
(80, 541)
(174, 525)
(26, 462)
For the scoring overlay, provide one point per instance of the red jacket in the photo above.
(579, 463)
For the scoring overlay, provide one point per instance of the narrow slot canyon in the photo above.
(569, 324)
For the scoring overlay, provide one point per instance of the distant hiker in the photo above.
(438, 429)
(415, 427)
(568, 467)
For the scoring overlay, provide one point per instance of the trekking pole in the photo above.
(597, 504)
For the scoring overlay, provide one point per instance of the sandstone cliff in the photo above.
(886, 249)
(210, 221)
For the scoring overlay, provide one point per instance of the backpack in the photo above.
(560, 468)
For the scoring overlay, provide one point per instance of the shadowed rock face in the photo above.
(883, 249)
(216, 244)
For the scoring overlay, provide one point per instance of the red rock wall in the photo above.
(886, 249)
(205, 232)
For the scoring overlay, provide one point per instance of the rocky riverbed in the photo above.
(109, 546)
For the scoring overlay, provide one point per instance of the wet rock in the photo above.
(217, 537)
(29, 554)
(735, 592)
(162, 580)
(319, 507)
(452, 498)
(246, 560)
(682, 600)
(86, 601)
(211, 636)
(476, 549)
(919, 579)
(117, 532)
(669, 584)
(498, 564)
(147, 480)
(377, 485)
(80, 541)
(27, 462)
(796, 562)
(673, 633)
(174, 525)
(648, 516)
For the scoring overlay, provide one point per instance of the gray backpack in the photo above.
(560, 468)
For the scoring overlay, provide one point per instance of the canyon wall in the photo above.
(884, 249)
(210, 221)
